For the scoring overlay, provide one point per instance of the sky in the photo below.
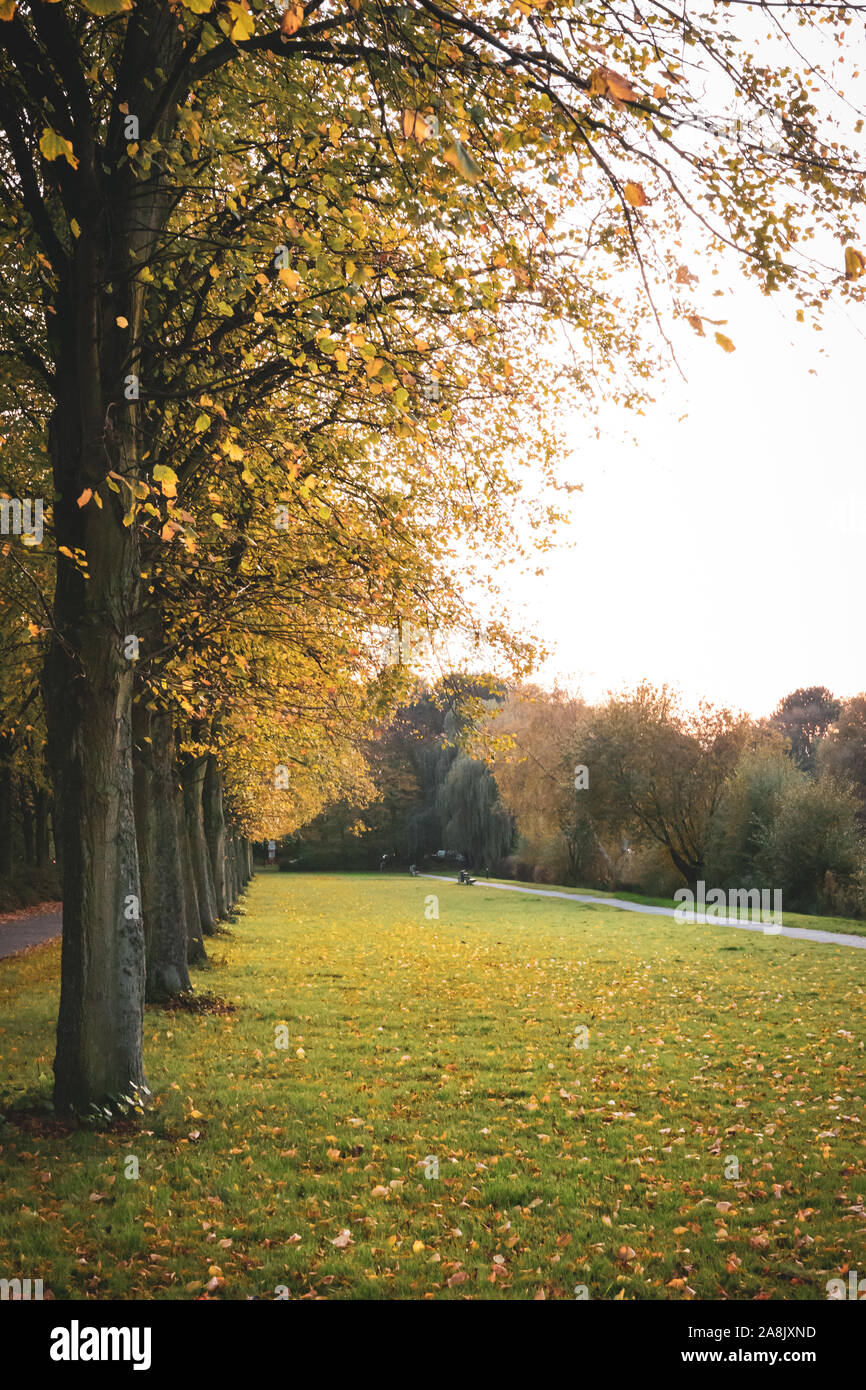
(722, 553)
(719, 542)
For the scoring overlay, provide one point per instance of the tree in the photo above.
(813, 850)
(528, 746)
(170, 175)
(841, 753)
(804, 716)
(659, 771)
(742, 822)
(475, 824)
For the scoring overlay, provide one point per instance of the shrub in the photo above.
(813, 850)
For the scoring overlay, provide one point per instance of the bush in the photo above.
(515, 867)
(651, 873)
(742, 823)
(813, 850)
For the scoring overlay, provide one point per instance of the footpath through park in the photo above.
(832, 938)
(30, 927)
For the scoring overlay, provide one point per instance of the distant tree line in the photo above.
(636, 793)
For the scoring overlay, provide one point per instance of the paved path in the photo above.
(832, 938)
(17, 933)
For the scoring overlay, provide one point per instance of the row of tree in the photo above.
(636, 793)
(281, 322)
(640, 793)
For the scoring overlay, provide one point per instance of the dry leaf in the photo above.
(416, 126)
(293, 18)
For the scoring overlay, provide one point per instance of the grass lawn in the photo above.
(851, 926)
(559, 1166)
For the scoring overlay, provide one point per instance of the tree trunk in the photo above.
(26, 796)
(215, 832)
(192, 779)
(88, 694)
(194, 940)
(231, 871)
(5, 819)
(159, 851)
(237, 881)
(94, 335)
(41, 826)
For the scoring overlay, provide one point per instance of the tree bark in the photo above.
(192, 779)
(215, 832)
(88, 693)
(159, 853)
(195, 949)
(26, 795)
(94, 336)
(231, 871)
(41, 826)
(5, 816)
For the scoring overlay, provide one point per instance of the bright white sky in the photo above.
(724, 553)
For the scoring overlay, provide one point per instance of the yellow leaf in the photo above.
(605, 82)
(291, 278)
(121, 321)
(53, 146)
(241, 22)
(64, 550)
(418, 1246)
(725, 343)
(635, 195)
(696, 323)
(167, 478)
(103, 8)
(7, 9)
(855, 263)
(293, 18)
(85, 497)
(201, 424)
(461, 160)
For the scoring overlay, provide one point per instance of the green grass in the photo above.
(851, 926)
(409, 1037)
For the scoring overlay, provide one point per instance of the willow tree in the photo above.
(535, 167)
